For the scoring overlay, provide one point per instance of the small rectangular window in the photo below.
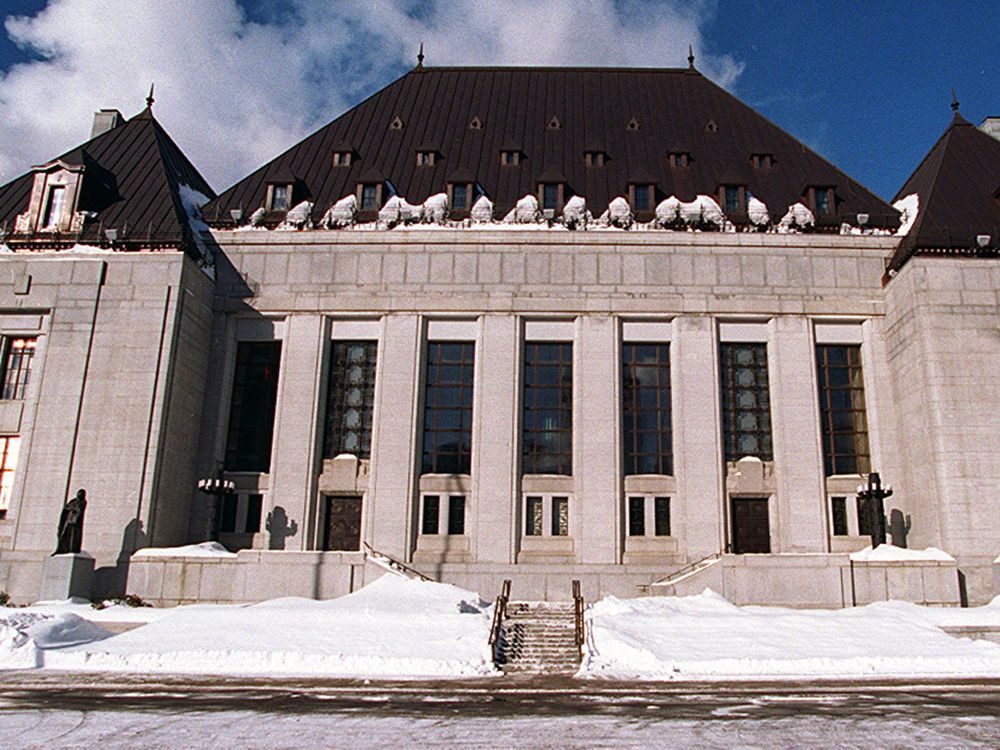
(838, 506)
(641, 195)
(637, 516)
(762, 161)
(731, 195)
(661, 516)
(550, 197)
(432, 507)
(560, 516)
(425, 158)
(369, 197)
(456, 514)
(255, 502)
(678, 159)
(18, 357)
(279, 197)
(594, 158)
(54, 206)
(533, 516)
(460, 197)
(510, 158)
(10, 447)
(229, 505)
(864, 521)
(824, 205)
(342, 159)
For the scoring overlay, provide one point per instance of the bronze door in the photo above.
(751, 529)
(343, 523)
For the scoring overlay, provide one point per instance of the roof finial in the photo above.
(420, 56)
(690, 57)
(954, 102)
(150, 99)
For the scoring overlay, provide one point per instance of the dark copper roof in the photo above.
(672, 110)
(958, 184)
(131, 182)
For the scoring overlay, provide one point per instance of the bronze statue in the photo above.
(70, 534)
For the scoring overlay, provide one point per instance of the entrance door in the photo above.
(751, 530)
(343, 523)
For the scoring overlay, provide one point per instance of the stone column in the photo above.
(697, 437)
(391, 484)
(596, 456)
(798, 454)
(293, 464)
(494, 443)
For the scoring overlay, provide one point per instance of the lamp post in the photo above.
(874, 493)
(218, 488)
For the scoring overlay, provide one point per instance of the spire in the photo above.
(954, 102)
(690, 57)
(149, 99)
(420, 57)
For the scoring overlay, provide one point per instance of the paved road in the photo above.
(46, 710)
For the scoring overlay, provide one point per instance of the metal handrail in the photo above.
(499, 612)
(396, 564)
(578, 609)
(693, 566)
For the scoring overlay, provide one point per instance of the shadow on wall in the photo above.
(278, 528)
(111, 580)
(899, 527)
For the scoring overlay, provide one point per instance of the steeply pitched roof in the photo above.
(132, 182)
(958, 184)
(637, 116)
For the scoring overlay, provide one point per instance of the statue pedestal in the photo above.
(65, 576)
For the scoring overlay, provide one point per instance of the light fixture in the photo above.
(982, 240)
(111, 234)
(862, 219)
(236, 214)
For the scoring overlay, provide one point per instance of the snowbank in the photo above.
(397, 211)
(205, 549)
(395, 627)
(575, 213)
(435, 208)
(341, 213)
(704, 636)
(482, 210)
(757, 212)
(890, 553)
(524, 212)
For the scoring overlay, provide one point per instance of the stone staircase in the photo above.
(538, 638)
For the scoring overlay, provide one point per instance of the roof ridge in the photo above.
(550, 68)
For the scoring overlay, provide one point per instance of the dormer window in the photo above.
(426, 158)
(279, 196)
(370, 197)
(594, 158)
(822, 200)
(551, 196)
(678, 158)
(460, 197)
(510, 157)
(733, 199)
(55, 207)
(642, 196)
(762, 161)
(342, 158)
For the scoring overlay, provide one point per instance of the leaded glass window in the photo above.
(646, 408)
(547, 398)
(350, 398)
(252, 406)
(533, 516)
(844, 425)
(560, 516)
(746, 410)
(448, 399)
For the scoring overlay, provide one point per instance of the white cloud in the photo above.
(235, 93)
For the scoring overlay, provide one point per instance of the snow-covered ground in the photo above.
(706, 637)
(393, 627)
(397, 627)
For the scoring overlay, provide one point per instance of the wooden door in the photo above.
(751, 528)
(343, 523)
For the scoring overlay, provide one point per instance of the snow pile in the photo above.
(192, 200)
(397, 211)
(341, 213)
(575, 213)
(890, 553)
(668, 212)
(482, 210)
(705, 636)
(435, 209)
(798, 216)
(205, 549)
(702, 210)
(524, 212)
(757, 212)
(908, 208)
(298, 217)
(393, 627)
(618, 214)
(23, 635)
(257, 217)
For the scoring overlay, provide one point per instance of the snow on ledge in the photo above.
(205, 549)
(891, 553)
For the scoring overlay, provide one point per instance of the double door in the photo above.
(751, 528)
(342, 532)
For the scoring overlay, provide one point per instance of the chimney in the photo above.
(991, 126)
(105, 120)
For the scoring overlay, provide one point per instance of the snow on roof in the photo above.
(891, 553)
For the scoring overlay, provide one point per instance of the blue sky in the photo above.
(866, 84)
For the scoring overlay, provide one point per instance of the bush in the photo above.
(129, 600)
